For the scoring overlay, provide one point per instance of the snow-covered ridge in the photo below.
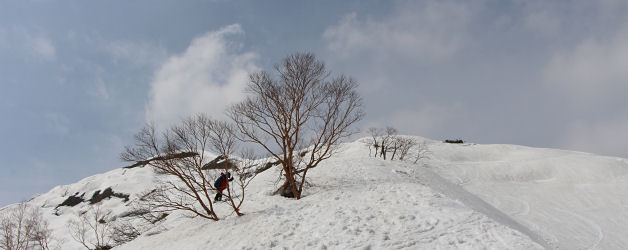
(576, 200)
(463, 196)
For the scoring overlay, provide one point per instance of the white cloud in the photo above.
(32, 42)
(40, 47)
(138, 53)
(426, 29)
(207, 77)
(592, 71)
(99, 89)
(57, 124)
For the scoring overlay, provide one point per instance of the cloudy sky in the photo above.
(79, 78)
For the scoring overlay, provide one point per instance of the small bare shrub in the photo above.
(92, 229)
(422, 152)
(388, 141)
(374, 141)
(404, 144)
(124, 231)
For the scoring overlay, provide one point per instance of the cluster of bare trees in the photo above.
(386, 142)
(97, 229)
(22, 227)
(188, 185)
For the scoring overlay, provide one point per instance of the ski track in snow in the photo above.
(595, 226)
(524, 206)
(546, 180)
(433, 180)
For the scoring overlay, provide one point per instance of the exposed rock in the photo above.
(165, 157)
(72, 200)
(107, 193)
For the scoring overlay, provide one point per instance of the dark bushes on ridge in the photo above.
(458, 141)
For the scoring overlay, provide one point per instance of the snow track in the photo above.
(599, 234)
(439, 184)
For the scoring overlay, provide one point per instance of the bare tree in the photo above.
(387, 141)
(224, 141)
(394, 145)
(191, 189)
(181, 152)
(92, 229)
(222, 138)
(41, 234)
(22, 227)
(245, 172)
(301, 109)
(374, 140)
(422, 152)
(405, 144)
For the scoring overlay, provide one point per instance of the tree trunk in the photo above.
(286, 190)
(384, 152)
(392, 158)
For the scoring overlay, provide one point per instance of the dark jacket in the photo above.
(221, 184)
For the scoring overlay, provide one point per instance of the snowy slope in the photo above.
(357, 202)
(575, 200)
(128, 181)
(463, 197)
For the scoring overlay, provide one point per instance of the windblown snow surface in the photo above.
(464, 197)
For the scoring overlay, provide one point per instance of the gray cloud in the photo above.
(429, 29)
(542, 21)
(426, 119)
(536, 73)
(593, 70)
(592, 76)
(389, 54)
(609, 137)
